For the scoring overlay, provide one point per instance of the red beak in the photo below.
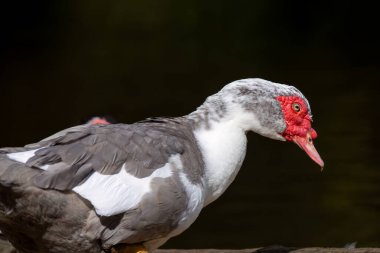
(306, 143)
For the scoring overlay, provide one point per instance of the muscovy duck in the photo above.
(131, 187)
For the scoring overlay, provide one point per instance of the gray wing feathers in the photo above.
(74, 154)
(62, 176)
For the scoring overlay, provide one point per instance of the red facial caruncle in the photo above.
(298, 125)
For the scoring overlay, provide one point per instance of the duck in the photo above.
(128, 188)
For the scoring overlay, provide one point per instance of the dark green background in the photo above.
(62, 61)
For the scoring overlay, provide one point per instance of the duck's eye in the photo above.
(296, 107)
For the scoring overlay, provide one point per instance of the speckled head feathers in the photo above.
(253, 96)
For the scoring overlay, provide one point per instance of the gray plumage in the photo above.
(73, 155)
(76, 153)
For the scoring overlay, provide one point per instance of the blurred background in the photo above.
(63, 61)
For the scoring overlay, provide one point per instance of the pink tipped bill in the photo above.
(306, 143)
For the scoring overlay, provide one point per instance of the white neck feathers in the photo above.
(223, 146)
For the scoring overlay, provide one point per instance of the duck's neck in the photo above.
(223, 147)
(221, 136)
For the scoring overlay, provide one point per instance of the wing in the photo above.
(113, 166)
(143, 180)
(68, 157)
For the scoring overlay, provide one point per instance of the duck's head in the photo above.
(273, 110)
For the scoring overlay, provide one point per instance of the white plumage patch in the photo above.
(114, 194)
(22, 157)
(223, 147)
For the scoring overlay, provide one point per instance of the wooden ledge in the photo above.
(274, 250)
